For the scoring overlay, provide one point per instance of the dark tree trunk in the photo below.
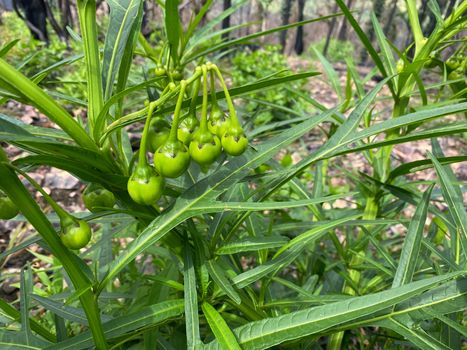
(226, 20)
(50, 16)
(388, 24)
(285, 16)
(330, 30)
(299, 37)
(343, 32)
(65, 12)
(35, 17)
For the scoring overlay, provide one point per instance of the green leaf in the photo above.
(276, 330)
(151, 315)
(288, 252)
(7, 47)
(173, 28)
(14, 314)
(331, 73)
(416, 336)
(423, 164)
(245, 89)
(123, 15)
(219, 327)
(208, 189)
(191, 302)
(25, 292)
(454, 201)
(88, 27)
(65, 311)
(217, 274)
(13, 340)
(366, 42)
(412, 241)
(251, 244)
(74, 266)
(42, 101)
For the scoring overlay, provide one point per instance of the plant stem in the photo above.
(142, 160)
(62, 214)
(213, 89)
(176, 118)
(72, 264)
(233, 114)
(204, 107)
(194, 96)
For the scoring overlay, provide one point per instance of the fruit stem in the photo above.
(142, 160)
(233, 114)
(194, 96)
(63, 215)
(178, 107)
(204, 107)
(213, 89)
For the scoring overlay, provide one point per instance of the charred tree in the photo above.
(299, 38)
(285, 16)
(35, 17)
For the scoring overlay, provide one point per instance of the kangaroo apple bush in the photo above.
(198, 235)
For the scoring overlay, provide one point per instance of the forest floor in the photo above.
(66, 189)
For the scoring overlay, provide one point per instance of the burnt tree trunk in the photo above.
(330, 30)
(388, 24)
(285, 16)
(35, 17)
(226, 20)
(343, 31)
(299, 38)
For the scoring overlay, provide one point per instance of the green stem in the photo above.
(88, 26)
(62, 214)
(194, 96)
(213, 89)
(142, 160)
(178, 107)
(233, 114)
(415, 24)
(14, 188)
(204, 107)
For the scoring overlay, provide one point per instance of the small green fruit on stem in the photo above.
(145, 185)
(8, 209)
(96, 198)
(75, 234)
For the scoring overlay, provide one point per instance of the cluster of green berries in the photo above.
(457, 64)
(187, 138)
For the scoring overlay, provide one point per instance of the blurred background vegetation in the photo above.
(53, 23)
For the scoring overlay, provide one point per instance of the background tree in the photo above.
(332, 24)
(285, 17)
(35, 17)
(343, 31)
(226, 20)
(299, 38)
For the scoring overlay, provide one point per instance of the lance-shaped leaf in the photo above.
(266, 333)
(411, 247)
(123, 14)
(207, 189)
